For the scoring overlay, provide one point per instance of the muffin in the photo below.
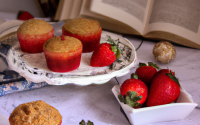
(88, 31)
(63, 53)
(35, 113)
(32, 35)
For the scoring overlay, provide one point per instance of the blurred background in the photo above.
(9, 9)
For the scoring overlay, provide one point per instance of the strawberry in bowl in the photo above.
(164, 88)
(146, 72)
(133, 92)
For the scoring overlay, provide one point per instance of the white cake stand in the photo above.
(34, 68)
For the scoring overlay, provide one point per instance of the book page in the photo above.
(59, 10)
(66, 9)
(76, 7)
(180, 17)
(130, 12)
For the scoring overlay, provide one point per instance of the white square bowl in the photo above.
(168, 112)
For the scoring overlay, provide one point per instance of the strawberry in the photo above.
(164, 88)
(106, 54)
(133, 92)
(146, 72)
(102, 56)
(24, 15)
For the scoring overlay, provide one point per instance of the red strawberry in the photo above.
(164, 88)
(145, 73)
(102, 56)
(25, 16)
(133, 92)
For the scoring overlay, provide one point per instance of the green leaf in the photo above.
(111, 41)
(154, 65)
(132, 94)
(132, 98)
(90, 123)
(173, 78)
(122, 66)
(128, 101)
(112, 66)
(118, 53)
(119, 61)
(82, 122)
(121, 98)
(114, 49)
(142, 64)
(134, 76)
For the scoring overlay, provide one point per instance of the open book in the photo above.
(173, 20)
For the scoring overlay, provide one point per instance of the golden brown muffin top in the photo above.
(35, 113)
(34, 27)
(63, 44)
(81, 26)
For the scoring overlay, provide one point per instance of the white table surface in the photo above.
(98, 104)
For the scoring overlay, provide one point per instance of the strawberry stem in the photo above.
(154, 65)
(134, 76)
(174, 78)
(142, 64)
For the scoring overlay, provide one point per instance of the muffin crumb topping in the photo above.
(63, 44)
(82, 26)
(34, 27)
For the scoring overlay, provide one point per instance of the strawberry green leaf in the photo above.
(111, 41)
(122, 66)
(112, 66)
(90, 123)
(119, 61)
(154, 65)
(121, 98)
(173, 78)
(82, 122)
(132, 98)
(114, 49)
(134, 76)
(142, 64)
(118, 53)
(129, 102)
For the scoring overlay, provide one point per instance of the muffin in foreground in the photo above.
(35, 113)
(32, 35)
(63, 53)
(88, 31)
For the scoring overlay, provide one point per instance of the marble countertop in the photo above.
(98, 104)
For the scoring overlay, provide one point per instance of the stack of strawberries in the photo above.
(150, 86)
